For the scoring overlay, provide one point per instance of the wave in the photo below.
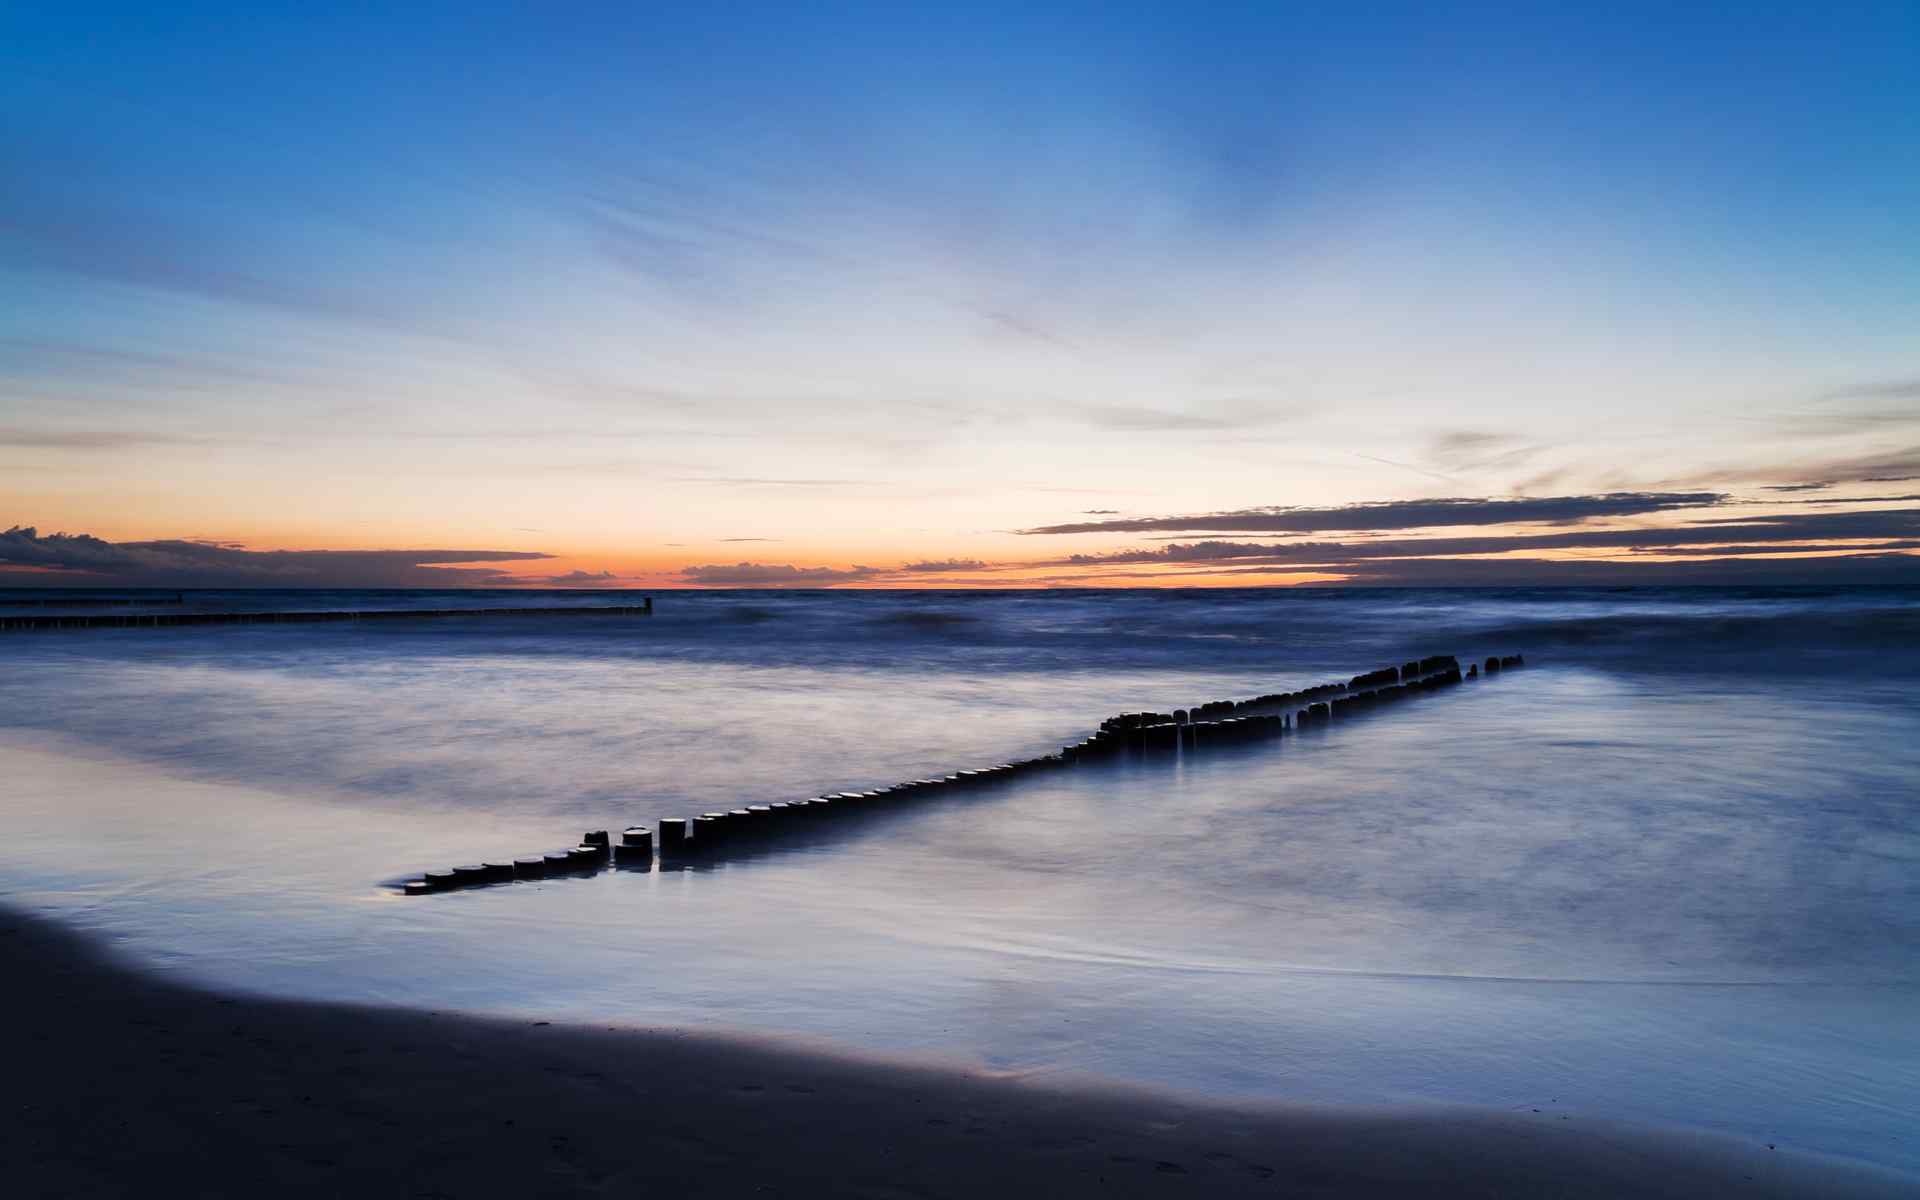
(928, 622)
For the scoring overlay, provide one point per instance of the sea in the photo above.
(1667, 873)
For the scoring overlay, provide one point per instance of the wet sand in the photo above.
(124, 1083)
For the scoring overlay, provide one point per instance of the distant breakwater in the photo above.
(173, 620)
(690, 839)
(94, 601)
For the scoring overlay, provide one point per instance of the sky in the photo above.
(958, 295)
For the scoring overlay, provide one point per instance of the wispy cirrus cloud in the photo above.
(1403, 514)
(1878, 389)
(766, 481)
(116, 239)
(1140, 419)
(1464, 450)
(1886, 408)
(93, 439)
(1896, 465)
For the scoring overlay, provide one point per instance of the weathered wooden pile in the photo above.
(710, 835)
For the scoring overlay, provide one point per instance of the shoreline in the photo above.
(132, 1083)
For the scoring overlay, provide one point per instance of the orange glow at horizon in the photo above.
(636, 548)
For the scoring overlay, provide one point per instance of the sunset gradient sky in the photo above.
(917, 295)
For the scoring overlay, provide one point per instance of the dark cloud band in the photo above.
(85, 559)
(1811, 532)
(1404, 514)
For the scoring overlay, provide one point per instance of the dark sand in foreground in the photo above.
(122, 1084)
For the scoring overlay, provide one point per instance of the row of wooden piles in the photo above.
(709, 835)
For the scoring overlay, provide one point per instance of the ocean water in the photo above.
(1668, 873)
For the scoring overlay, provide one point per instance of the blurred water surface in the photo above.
(1670, 872)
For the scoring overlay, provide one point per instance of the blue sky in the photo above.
(625, 284)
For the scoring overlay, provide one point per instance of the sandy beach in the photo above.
(125, 1083)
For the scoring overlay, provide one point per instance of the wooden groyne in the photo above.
(175, 620)
(688, 838)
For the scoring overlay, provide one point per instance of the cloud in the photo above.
(1467, 441)
(1392, 462)
(65, 358)
(758, 481)
(945, 565)
(1477, 450)
(1865, 568)
(27, 556)
(1895, 465)
(1790, 548)
(751, 539)
(1797, 487)
(1005, 322)
(1877, 421)
(1882, 389)
(572, 579)
(1830, 501)
(1879, 522)
(125, 241)
(1805, 532)
(1200, 552)
(1542, 480)
(1099, 512)
(1404, 514)
(748, 574)
(1137, 419)
(97, 439)
(22, 546)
